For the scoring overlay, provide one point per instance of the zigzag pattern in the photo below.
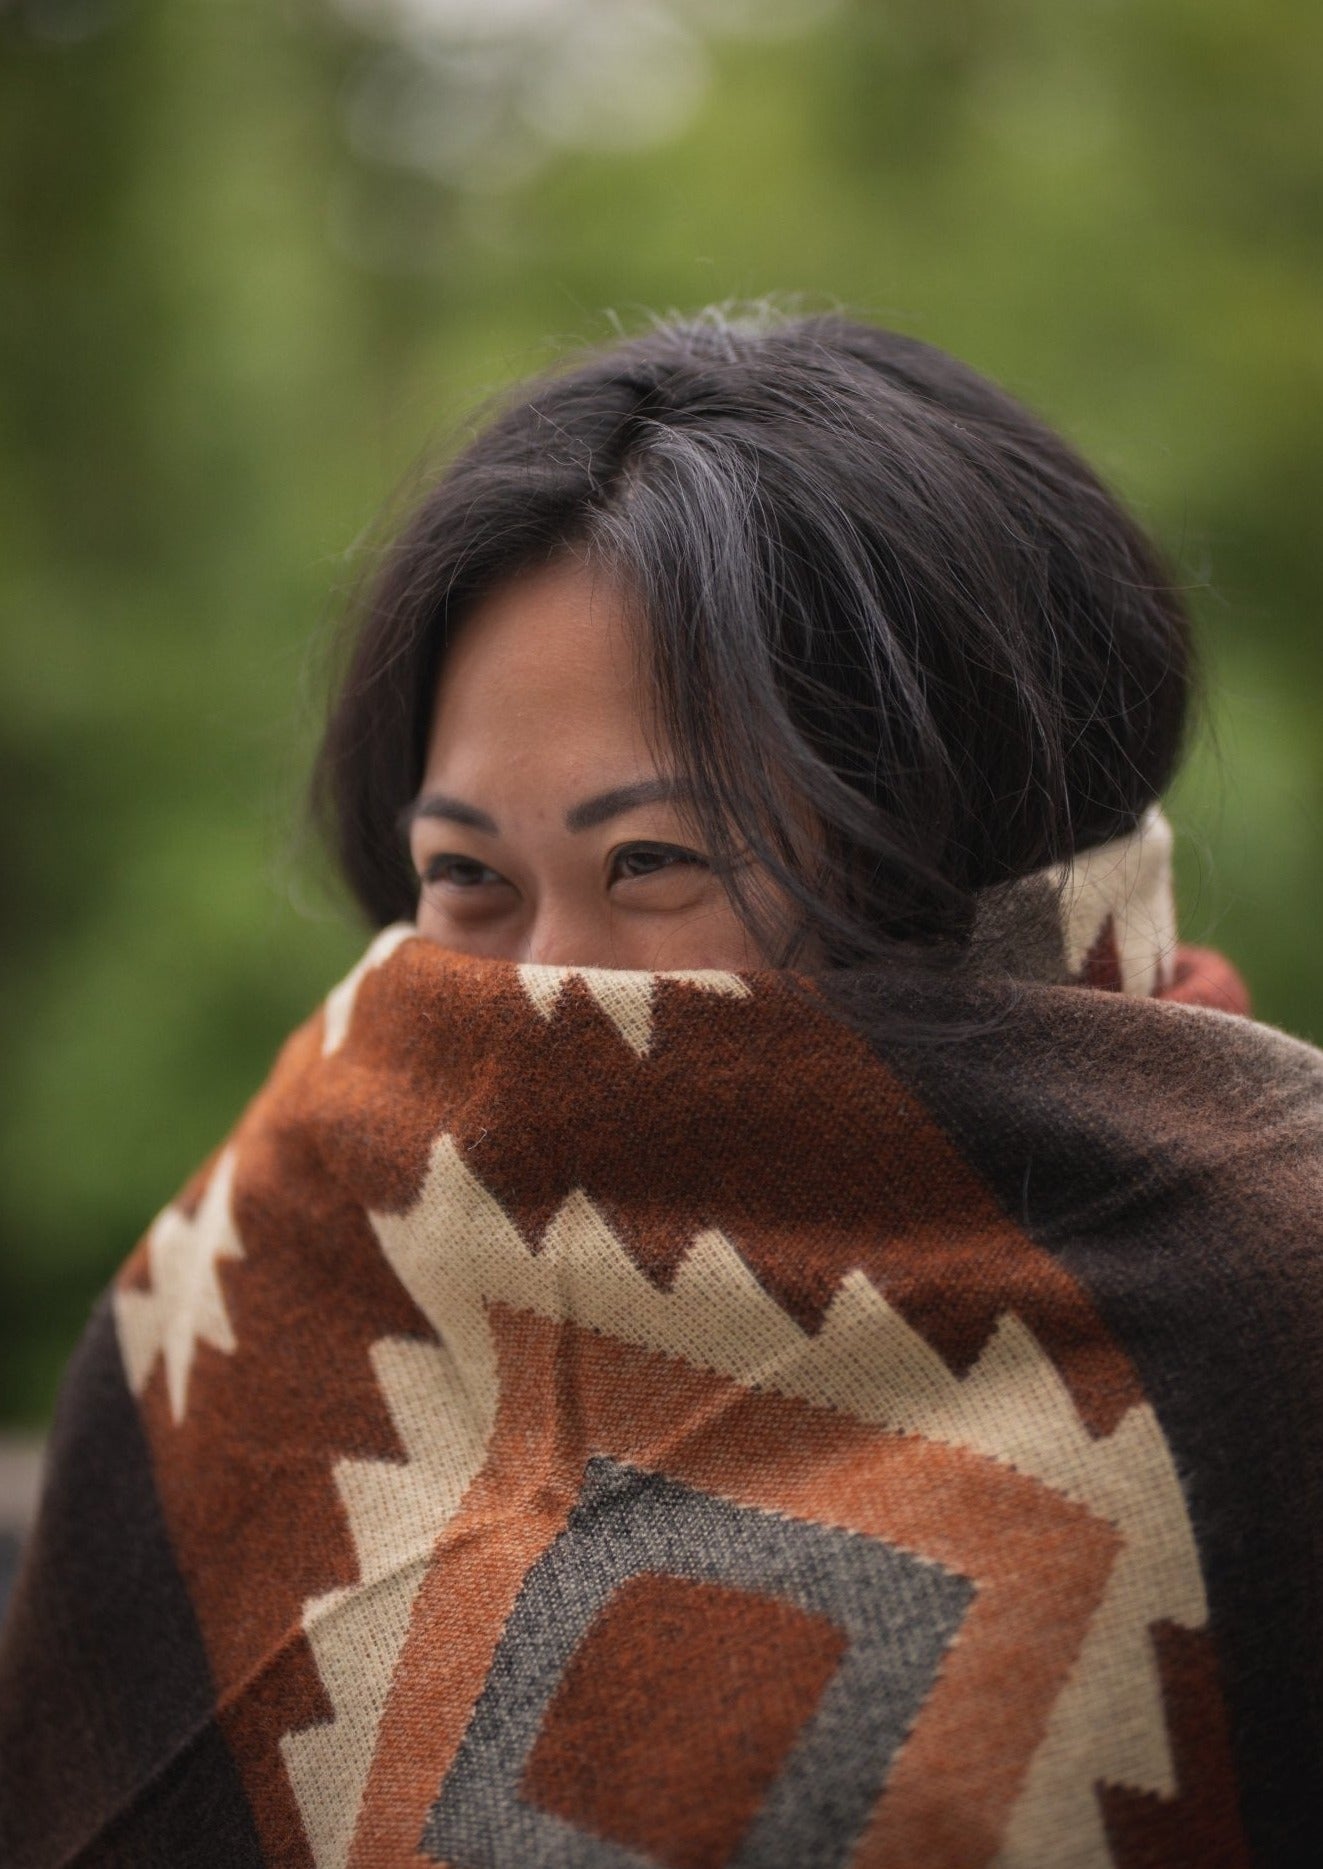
(339, 1008)
(183, 1305)
(1124, 885)
(396, 1512)
(627, 998)
(456, 1251)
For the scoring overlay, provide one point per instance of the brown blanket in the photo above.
(596, 1420)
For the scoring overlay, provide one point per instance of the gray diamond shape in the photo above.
(899, 1611)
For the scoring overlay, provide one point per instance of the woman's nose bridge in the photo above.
(563, 935)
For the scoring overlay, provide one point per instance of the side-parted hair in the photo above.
(876, 595)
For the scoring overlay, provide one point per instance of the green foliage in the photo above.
(225, 339)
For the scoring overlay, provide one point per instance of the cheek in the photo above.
(484, 941)
(711, 935)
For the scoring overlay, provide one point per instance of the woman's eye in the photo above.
(649, 859)
(461, 872)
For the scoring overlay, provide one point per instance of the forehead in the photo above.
(546, 666)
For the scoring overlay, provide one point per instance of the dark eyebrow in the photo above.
(594, 811)
(438, 805)
(582, 817)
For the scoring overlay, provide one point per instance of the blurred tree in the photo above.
(257, 261)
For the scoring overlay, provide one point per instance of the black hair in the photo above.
(871, 584)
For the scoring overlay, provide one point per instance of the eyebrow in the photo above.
(594, 811)
(453, 810)
(584, 816)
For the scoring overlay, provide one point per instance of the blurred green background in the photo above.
(258, 258)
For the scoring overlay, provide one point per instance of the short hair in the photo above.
(871, 584)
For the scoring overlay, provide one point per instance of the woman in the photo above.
(942, 655)
(767, 1321)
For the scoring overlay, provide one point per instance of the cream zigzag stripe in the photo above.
(456, 1251)
(1128, 878)
(395, 1512)
(183, 1305)
(626, 997)
(339, 1009)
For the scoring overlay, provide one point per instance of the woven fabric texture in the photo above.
(591, 1420)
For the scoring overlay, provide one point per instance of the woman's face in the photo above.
(547, 828)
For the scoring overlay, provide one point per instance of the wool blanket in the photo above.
(589, 1419)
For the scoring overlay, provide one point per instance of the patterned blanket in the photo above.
(592, 1420)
